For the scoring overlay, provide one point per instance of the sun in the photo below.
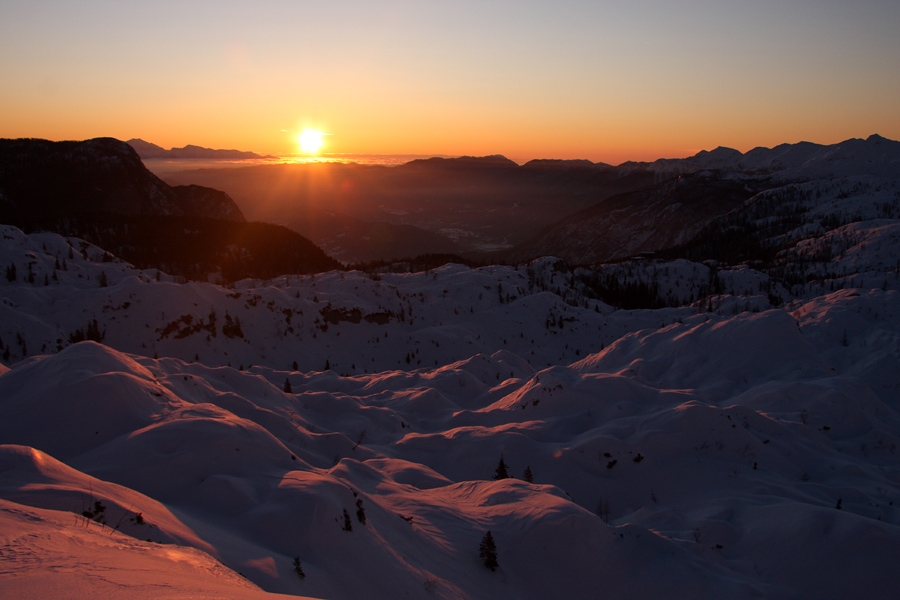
(310, 141)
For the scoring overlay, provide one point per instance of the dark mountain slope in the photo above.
(197, 248)
(99, 175)
(99, 190)
(705, 187)
(642, 221)
(465, 205)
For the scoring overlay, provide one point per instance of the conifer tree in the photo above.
(528, 476)
(360, 511)
(501, 470)
(487, 550)
(298, 569)
(287, 386)
(348, 526)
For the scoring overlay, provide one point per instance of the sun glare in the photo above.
(310, 141)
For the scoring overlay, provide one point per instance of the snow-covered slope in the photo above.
(874, 155)
(695, 451)
(47, 554)
(353, 321)
(725, 453)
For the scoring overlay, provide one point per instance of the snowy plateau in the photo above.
(345, 435)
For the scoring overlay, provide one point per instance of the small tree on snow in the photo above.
(298, 568)
(287, 386)
(348, 526)
(501, 470)
(360, 511)
(528, 476)
(487, 550)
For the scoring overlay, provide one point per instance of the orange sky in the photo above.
(606, 81)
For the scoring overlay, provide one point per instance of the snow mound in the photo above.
(87, 395)
(36, 479)
(45, 556)
(718, 357)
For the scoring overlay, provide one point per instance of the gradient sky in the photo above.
(604, 80)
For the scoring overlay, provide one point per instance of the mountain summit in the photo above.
(102, 175)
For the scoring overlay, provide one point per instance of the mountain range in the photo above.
(717, 416)
(492, 209)
(146, 150)
(874, 155)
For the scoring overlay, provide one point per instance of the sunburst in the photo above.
(311, 141)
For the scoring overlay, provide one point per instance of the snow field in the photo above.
(681, 452)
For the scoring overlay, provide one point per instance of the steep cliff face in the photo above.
(102, 175)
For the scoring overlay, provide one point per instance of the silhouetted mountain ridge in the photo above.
(462, 162)
(803, 160)
(148, 150)
(555, 163)
(55, 179)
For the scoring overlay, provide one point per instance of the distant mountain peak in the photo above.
(720, 152)
(492, 161)
(147, 150)
(558, 163)
(874, 155)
